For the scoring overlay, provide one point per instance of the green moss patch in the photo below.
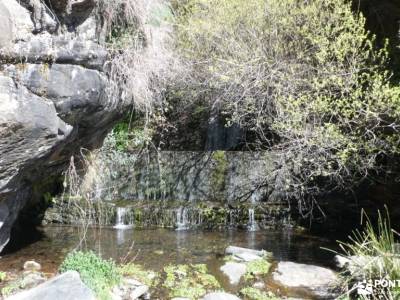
(189, 281)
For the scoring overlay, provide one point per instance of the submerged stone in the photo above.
(234, 271)
(239, 251)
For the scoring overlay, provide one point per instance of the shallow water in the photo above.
(154, 249)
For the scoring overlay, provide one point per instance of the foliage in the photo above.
(3, 276)
(128, 135)
(373, 253)
(10, 289)
(255, 294)
(188, 281)
(303, 76)
(98, 274)
(149, 278)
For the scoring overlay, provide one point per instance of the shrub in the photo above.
(98, 274)
(373, 254)
(304, 76)
(139, 41)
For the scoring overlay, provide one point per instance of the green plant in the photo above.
(251, 293)
(149, 278)
(99, 274)
(373, 253)
(3, 276)
(188, 281)
(256, 268)
(304, 77)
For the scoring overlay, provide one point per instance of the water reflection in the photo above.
(157, 248)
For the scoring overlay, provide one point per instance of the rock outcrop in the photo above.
(67, 286)
(53, 95)
(320, 282)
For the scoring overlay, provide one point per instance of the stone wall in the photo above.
(222, 176)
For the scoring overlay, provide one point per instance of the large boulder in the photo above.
(53, 101)
(6, 26)
(319, 281)
(67, 286)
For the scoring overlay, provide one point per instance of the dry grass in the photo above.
(139, 38)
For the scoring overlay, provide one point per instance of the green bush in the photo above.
(303, 72)
(373, 253)
(98, 274)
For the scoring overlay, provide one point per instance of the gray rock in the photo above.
(21, 20)
(6, 27)
(239, 251)
(67, 286)
(76, 92)
(320, 281)
(138, 292)
(220, 296)
(247, 257)
(234, 271)
(46, 48)
(32, 265)
(52, 98)
(31, 280)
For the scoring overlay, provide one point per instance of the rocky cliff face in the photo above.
(53, 98)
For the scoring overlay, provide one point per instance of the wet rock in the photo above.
(132, 282)
(32, 265)
(233, 250)
(234, 271)
(138, 292)
(319, 281)
(67, 286)
(247, 257)
(259, 285)
(220, 296)
(31, 280)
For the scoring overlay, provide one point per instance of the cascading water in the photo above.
(182, 218)
(252, 225)
(120, 220)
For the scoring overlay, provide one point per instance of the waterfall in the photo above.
(182, 218)
(120, 220)
(252, 225)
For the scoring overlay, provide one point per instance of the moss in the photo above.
(251, 293)
(150, 278)
(219, 173)
(214, 216)
(256, 268)
(189, 281)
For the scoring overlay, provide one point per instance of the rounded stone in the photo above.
(32, 265)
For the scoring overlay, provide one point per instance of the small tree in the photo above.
(304, 76)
